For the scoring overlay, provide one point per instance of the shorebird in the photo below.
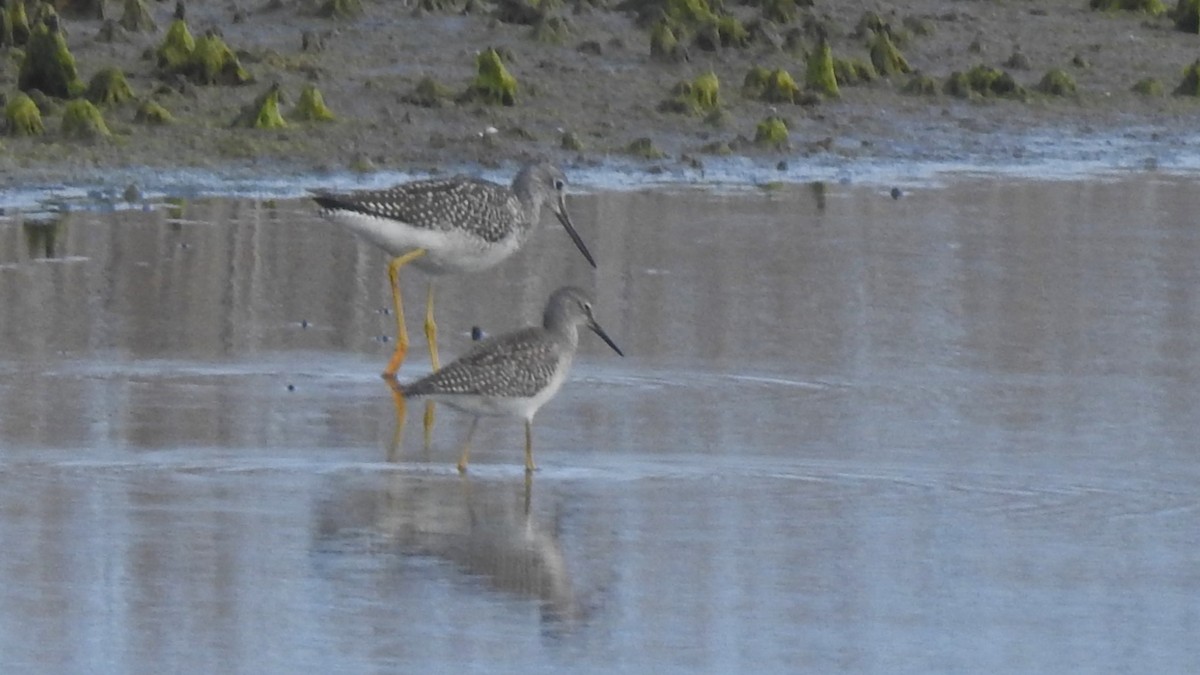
(449, 226)
(515, 374)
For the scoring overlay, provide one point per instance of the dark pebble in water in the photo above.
(383, 338)
(304, 323)
(781, 166)
(183, 245)
(896, 193)
(291, 387)
(476, 333)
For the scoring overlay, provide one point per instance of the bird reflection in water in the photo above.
(486, 530)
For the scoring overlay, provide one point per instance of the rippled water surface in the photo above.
(954, 432)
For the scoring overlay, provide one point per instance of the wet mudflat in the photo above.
(951, 432)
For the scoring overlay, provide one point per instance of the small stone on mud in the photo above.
(896, 193)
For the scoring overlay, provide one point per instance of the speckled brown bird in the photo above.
(515, 374)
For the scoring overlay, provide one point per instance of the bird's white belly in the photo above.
(446, 251)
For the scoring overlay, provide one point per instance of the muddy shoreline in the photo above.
(602, 85)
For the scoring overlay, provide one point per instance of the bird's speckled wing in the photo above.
(435, 204)
(514, 365)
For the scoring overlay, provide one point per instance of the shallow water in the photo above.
(950, 432)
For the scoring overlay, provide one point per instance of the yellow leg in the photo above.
(529, 466)
(401, 414)
(431, 339)
(431, 329)
(398, 307)
(466, 449)
(528, 492)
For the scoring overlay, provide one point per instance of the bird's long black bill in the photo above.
(565, 219)
(604, 336)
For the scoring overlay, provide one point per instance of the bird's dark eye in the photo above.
(558, 184)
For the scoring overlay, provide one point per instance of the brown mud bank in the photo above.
(287, 88)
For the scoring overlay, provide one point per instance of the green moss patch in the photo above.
(152, 114)
(1150, 86)
(213, 62)
(429, 93)
(175, 52)
(311, 106)
(1057, 82)
(136, 18)
(83, 120)
(109, 87)
(920, 85)
(819, 76)
(772, 86)
(493, 83)
(1187, 16)
(18, 22)
(772, 133)
(48, 65)
(644, 148)
(886, 58)
(983, 81)
(263, 113)
(849, 72)
(1151, 7)
(1190, 84)
(340, 9)
(664, 46)
(553, 30)
(694, 98)
(570, 141)
(23, 116)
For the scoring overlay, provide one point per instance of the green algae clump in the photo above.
(886, 58)
(775, 86)
(18, 23)
(664, 46)
(772, 132)
(429, 93)
(983, 81)
(644, 148)
(493, 83)
(755, 82)
(81, 119)
(109, 87)
(340, 9)
(819, 76)
(152, 114)
(1057, 83)
(311, 106)
(920, 85)
(552, 30)
(1190, 84)
(1150, 86)
(1151, 7)
(849, 72)
(779, 11)
(570, 141)
(694, 98)
(23, 116)
(263, 113)
(175, 52)
(707, 91)
(48, 65)
(1187, 16)
(213, 62)
(136, 18)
